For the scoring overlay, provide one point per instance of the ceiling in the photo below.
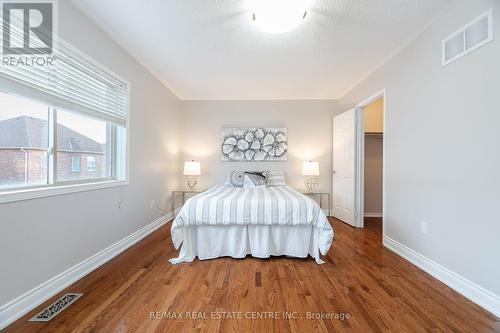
(211, 49)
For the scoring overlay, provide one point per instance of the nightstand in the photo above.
(321, 195)
(184, 194)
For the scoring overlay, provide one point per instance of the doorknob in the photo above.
(334, 172)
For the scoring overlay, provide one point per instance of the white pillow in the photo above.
(276, 178)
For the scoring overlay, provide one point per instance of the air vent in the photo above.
(477, 33)
(57, 307)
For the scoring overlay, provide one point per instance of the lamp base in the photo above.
(192, 181)
(311, 183)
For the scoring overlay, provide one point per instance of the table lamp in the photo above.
(192, 169)
(311, 170)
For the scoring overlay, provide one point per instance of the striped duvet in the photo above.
(274, 205)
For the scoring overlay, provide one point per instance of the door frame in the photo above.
(360, 161)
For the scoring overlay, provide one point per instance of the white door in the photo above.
(344, 166)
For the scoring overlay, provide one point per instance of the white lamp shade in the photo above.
(192, 168)
(310, 169)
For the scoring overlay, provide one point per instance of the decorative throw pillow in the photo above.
(275, 178)
(235, 179)
(254, 179)
(248, 183)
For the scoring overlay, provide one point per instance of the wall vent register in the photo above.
(469, 38)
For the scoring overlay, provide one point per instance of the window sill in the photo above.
(42, 192)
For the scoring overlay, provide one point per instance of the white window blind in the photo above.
(71, 82)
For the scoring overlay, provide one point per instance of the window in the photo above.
(75, 163)
(52, 117)
(24, 137)
(91, 165)
(80, 136)
(28, 139)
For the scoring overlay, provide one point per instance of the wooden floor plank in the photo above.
(378, 290)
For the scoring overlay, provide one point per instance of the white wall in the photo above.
(309, 124)
(41, 238)
(442, 157)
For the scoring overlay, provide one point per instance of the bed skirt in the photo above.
(261, 241)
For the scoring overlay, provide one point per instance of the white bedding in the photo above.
(228, 221)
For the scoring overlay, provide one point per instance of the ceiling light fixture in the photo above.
(279, 16)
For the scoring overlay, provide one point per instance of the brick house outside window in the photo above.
(23, 160)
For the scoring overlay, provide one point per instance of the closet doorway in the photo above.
(359, 164)
(372, 163)
(370, 160)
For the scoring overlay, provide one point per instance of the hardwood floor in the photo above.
(376, 289)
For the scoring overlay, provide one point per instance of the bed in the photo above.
(260, 221)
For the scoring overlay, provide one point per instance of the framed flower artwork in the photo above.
(254, 144)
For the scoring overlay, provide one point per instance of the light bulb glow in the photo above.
(278, 16)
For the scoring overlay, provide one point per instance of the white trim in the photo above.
(126, 171)
(469, 289)
(359, 172)
(18, 307)
(52, 190)
(372, 98)
(361, 165)
(92, 166)
(372, 214)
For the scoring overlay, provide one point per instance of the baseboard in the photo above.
(18, 307)
(472, 291)
(371, 214)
